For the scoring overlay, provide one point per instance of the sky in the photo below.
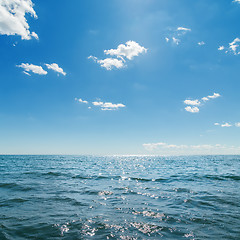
(154, 77)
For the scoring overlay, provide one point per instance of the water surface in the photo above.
(119, 197)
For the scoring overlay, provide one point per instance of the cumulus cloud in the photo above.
(192, 109)
(221, 48)
(56, 68)
(12, 18)
(198, 102)
(122, 53)
(108, 105)
(130, 50)
(32, 68)
(81, 101)
(192, 102)
(237, 1)
(108, 63)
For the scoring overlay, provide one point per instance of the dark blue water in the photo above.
(88, 197)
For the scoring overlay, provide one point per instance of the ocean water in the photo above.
(119, 197)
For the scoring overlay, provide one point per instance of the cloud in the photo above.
(192, 109)
(215, 95)
(226, 125)
(237, 1)
(176, 41)
(198, 102)
(205, 99)
(81, 101)
(166, 148)
(27, 73)
(175, 35)
(105, 106)
(201, 43)
(128, 51)
(108, 63)
(233, 47)
(56, 68)
(12, 18)
(192, 102)
(108, 105)
(237, 124)
(152, 146)
(183, 29)
(32, 68)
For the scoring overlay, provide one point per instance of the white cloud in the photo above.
(237, 1)
(108, 63)
(192, 109)
(12, 18)
(215, 95)
(198, 103)
(201, 43)
(176, 40)
(226, 125)
(129, 50)
(205, 99)
(152, 146)
(56, 68)
(221, 48)
(97, 103)
(175, 35)
(234, 45)
(27, 73)
(237, 124)
(170, 149)
(81, 101)
(192, 102)
(108, 105)
(32, 68)
(183, 29)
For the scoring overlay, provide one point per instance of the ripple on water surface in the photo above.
(87, 197)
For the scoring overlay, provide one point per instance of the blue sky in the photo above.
(119, 77)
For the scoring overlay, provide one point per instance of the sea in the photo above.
(119, 197)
